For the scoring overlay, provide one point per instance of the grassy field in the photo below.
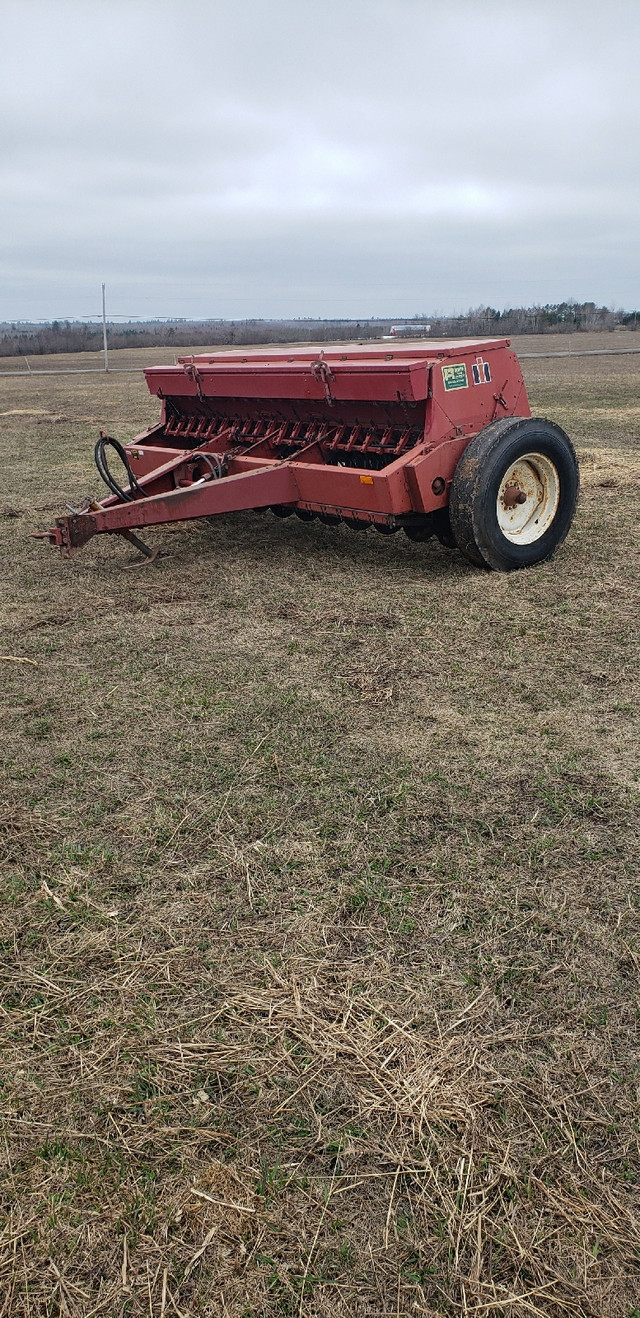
(320, 889)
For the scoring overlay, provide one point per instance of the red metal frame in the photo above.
(362, 433)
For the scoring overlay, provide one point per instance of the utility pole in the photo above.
(104, 329)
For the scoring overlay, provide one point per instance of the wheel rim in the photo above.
(523, 520)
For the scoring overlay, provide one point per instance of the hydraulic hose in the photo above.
(216, 463)
(127, 496)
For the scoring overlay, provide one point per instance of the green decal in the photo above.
(455, 377)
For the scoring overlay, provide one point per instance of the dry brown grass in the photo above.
(320, 923)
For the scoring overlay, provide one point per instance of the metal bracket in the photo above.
(149, 555)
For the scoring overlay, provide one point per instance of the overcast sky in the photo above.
(317, 157)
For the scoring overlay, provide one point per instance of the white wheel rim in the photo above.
(523, 521)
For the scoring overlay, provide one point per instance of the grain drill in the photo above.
(430, 438)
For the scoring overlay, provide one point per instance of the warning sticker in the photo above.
(455, 377)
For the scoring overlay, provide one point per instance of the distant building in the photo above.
(415, 331)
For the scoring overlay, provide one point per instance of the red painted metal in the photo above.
(363, 433)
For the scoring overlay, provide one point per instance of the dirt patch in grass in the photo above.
(319, 861)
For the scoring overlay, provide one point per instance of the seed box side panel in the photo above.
(472, 388)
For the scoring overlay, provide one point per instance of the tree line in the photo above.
(68, 336)
(554, 318)
(19, 340)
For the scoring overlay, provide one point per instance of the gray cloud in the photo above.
(280, 157)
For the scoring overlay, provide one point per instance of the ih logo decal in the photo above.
(481, 371)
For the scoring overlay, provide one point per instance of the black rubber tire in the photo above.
(476, 483)
(442, 528)
(420, 534)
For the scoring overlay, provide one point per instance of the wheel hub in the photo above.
(528, 498)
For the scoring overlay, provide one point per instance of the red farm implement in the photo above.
(433, 438)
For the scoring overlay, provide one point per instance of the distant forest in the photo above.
(28, 340)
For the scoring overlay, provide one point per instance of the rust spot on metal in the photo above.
(513, 495)
(76, 530)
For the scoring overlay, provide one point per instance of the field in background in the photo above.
(128, 357)
(320, 894)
